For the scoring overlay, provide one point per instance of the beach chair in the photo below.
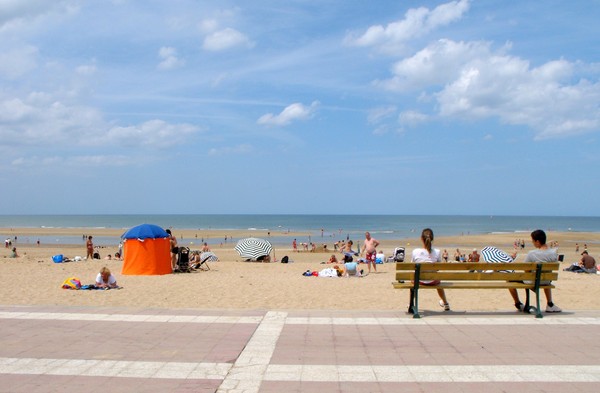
(203, 265)
(398, 255)
(205, 257)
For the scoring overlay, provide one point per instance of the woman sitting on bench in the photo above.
(424, 255)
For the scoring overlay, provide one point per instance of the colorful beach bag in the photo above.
(71, 283)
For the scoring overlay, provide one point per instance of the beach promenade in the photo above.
(93, 349)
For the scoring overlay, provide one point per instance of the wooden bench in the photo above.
(475, 275)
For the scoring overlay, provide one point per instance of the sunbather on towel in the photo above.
(105, 279)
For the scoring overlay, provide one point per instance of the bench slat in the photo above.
(471, 285)
(546, 266)
(483, 276)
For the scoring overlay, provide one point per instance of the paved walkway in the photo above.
(49, 349)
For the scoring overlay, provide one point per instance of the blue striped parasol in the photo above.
(492, 254)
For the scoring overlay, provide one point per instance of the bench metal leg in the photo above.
(527, 307)
(414, 304)
(538, 274)
(414, 293)
(538, 311)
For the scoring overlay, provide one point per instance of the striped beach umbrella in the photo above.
(492, 254)
(253, 248)
(208, 257)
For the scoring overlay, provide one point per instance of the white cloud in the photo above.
(295, 111)
(239, 149)
(41, 120)
(169, 59)
(541, 98)
(17, 62)
(225, 39)
(381, 129)
(153, 133)
(416, 22)
(76, 161)
(412, 118)
(14, 13)
(86, 70)
(208, 25)
(470, 80)
(436, 64)
(378, 114)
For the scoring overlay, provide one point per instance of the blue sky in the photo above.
(325, 107)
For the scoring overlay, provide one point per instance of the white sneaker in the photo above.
(554, 308)
(446, 306)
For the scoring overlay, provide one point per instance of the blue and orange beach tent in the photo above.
(146, 251)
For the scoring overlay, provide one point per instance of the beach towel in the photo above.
(71, 283)
(328, 272)
(94, 287)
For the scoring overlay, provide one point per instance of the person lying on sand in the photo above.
(105, 279)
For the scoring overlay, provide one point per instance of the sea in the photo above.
(305, 227)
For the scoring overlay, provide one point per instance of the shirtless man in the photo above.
(370, 250)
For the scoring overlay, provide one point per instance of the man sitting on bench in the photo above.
(542, 253)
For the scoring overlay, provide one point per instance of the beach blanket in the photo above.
(75, 283)
(93, 287)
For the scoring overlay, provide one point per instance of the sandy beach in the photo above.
(34, 279)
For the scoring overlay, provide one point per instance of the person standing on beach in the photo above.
(457, 255)
(445, 255)
(428, 254)
(174, 249)
(89, 245)
(370, 251)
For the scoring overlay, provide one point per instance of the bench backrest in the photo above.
(477, 271)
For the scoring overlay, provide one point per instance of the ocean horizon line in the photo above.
(294, 214)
